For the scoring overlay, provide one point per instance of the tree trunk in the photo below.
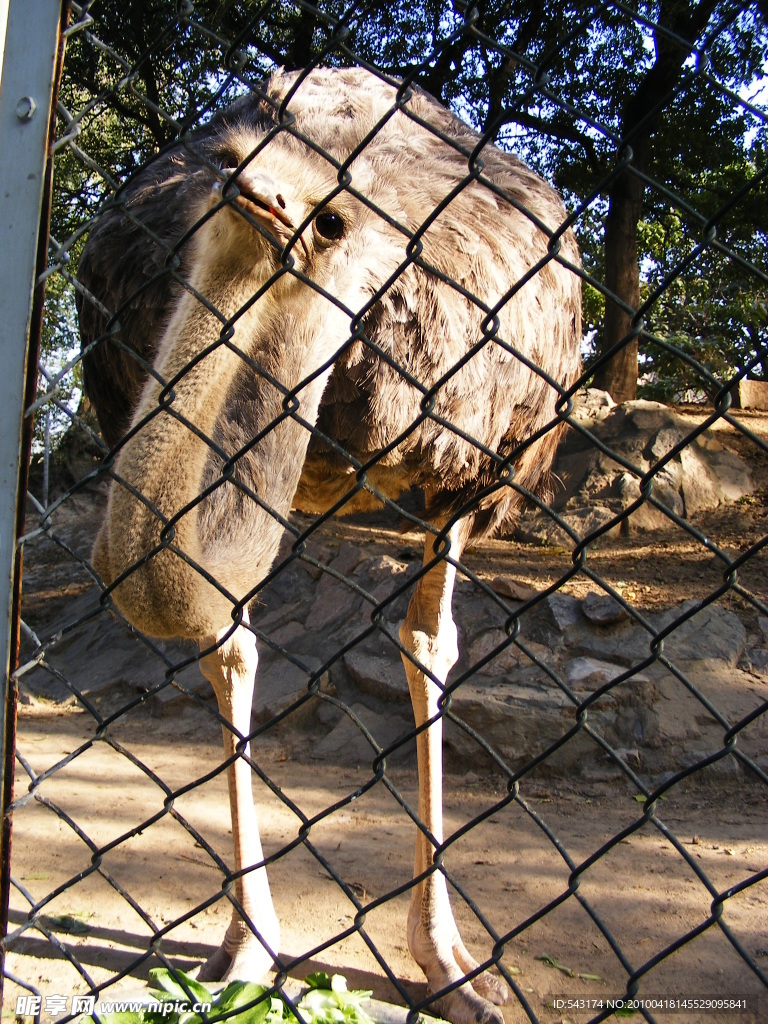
(622, 277)
(625, 200)
(302, 50)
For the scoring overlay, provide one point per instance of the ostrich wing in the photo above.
(132, 267)
(124, 269)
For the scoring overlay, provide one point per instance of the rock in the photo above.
(586, 521)
(512, 702)
(712, 634)
(758, 659)
(631, 756)
(507, 586)
(540, 651)
(732, 474)
(582, 669)
(328, 715)
(698, 475)
(347, 558)
(752, 394)
(506, 660)
(377, 668)
(288, 635)
(320, 553)
(347, 744)
(725, 768)
(700, 488)
(383, 567)
(603, 610)
(287, 587)
(280, 684)
(541, 529)
(668, 488)
(627, 717)
(562, 610)
(334, 601)
(287, 597)
(591, 405)
(172, 699)
(670, 436)
(710, 443)
(646, 417)
(381, 576)
(518, 720)
(647, 517)
(273, 618)
(586, 670)
(665, 489)
(474, 614)
(627, 645)
(103, 657)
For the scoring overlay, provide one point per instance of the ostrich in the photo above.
(283, 282)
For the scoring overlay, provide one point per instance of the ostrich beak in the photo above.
(259, 198)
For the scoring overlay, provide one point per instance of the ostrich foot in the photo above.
(489, 987)
(472, 1003)
(241, 956)
(465, 1006)
(249, 963)
(486, 985)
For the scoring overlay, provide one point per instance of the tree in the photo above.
(715, 310)
(651, 90)
(634, 107)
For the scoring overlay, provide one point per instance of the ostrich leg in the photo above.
(429, 633)
(231, 670)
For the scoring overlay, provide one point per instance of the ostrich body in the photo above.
(260, 283)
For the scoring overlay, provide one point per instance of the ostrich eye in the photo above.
(228, 162)
(329, 226)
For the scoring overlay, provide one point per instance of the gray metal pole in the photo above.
(27, 68)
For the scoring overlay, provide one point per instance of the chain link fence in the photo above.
(604, 725)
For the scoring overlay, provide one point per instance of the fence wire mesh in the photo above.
(605, 723)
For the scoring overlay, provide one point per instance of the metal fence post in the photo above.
(30, 31)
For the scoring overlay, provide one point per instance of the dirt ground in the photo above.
(645, 891)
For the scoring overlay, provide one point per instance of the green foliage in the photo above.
(62, 376)
(328, 1001)
(713, 307)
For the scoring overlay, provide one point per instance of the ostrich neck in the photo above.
(228, 535)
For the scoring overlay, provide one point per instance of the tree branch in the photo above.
(558, 130)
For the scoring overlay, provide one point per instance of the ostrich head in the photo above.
(280, 193)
